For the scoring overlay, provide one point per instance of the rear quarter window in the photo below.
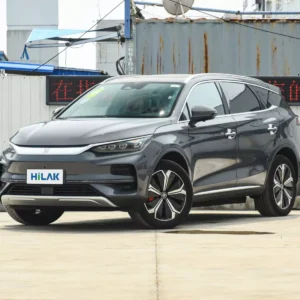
(269, 98)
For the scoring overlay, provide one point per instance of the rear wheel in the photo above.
(169, 200)
(34, 216)
(280, 191)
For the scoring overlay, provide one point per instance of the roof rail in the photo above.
(224, 74)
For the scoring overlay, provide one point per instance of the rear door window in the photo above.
(240, 98)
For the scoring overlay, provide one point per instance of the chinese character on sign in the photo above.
(62, 91)
(84, 85)
(294, 91)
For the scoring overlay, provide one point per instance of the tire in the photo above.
(170, 198)
(36, 217)
(279, 195)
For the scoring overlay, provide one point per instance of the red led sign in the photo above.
(64, 89)
(289, 86)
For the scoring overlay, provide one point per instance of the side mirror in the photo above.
(56, 111)
(202, 113)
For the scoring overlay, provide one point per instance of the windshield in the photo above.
(126, 100)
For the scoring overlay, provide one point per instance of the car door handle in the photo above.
(272, 129)
(230, 134)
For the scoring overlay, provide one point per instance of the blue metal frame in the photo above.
(27, 68)
(127, 18)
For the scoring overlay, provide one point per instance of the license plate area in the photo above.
(45, 176)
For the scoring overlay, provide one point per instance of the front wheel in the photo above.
(37, 217)
(169, 200)
(280, 191)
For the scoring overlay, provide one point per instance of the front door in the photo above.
(213, 144)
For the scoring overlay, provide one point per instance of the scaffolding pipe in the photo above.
(233, 12)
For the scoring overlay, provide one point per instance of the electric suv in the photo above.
(155, 146)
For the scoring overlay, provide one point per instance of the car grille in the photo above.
(63, 190)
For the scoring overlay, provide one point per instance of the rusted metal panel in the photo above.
(197, 46)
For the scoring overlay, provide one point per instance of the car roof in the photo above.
(142, 78)
(185, 78)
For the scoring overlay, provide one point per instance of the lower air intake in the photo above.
(64, 190)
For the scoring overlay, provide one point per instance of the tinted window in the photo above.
(206, 94)
(240, 97)
(185, 114)
(126, 100)
(269, 98)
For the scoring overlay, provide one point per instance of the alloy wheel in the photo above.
(283, 187)
(166, 195)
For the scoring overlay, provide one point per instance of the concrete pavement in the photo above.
(103, 256)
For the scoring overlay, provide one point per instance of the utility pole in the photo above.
(263, 7)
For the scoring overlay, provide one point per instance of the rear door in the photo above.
(257, 134)
(213, 143)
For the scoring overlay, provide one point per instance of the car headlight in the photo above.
(123, 146)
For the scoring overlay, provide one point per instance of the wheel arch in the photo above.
(289, 152)
(175, 155)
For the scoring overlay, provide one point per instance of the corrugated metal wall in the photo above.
(196, 46)
(22, 102)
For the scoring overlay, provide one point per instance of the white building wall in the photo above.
(23, 16)
(16, 40)
(22, 102)
(109, 52)
(275, 5)
(249, 5)
(31, 13)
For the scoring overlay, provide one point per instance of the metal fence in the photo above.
(22, 102)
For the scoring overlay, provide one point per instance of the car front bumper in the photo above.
(91, 181)
(57, 201)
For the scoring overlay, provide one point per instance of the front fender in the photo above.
(168, 139)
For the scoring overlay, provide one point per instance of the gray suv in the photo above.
(154, 146)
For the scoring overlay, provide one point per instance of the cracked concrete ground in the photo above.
(103, 256)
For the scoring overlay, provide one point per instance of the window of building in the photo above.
(279, 4)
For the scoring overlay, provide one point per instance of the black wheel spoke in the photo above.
(156, 182)
(174, 182)
(177, 205)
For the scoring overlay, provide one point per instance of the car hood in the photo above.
(79, 132)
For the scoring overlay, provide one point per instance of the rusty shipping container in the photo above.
(196, 46)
